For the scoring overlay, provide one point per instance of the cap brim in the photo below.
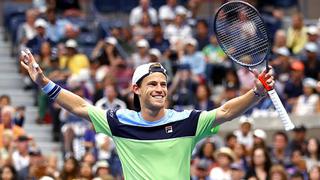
(136, 102)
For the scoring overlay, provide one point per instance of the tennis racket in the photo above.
(242, 35)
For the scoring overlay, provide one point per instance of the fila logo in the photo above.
(169, 129)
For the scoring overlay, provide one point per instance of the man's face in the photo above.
(153, 91)
(280, 142)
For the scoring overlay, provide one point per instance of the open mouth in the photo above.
(158, 97)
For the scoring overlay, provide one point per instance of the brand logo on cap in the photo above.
(169, 129)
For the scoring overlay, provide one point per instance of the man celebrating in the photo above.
(152, 142)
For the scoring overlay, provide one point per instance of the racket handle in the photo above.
(288, 125)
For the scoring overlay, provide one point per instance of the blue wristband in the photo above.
(52, 90)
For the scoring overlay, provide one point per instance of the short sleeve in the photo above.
(204, 127)
(99, 120)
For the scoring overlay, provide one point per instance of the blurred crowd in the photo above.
(95, 59)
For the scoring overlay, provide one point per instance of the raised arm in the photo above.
(239, 105)
(71, 102)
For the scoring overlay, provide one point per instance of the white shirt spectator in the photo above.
(307, 105)
(178, 32)
(168, 12)
(218, 173)
(137, 12)
(20, 162)
(245, 140)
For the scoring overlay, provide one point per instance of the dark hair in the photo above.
(281, 133)
(203, 22)
(267, 163)
(75, 171)
(12, 169)
(229, 136)
(5, 97)
(318, 146)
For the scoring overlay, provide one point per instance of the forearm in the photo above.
(235, 107)
(71, 102)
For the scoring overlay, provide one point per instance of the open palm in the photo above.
(28, 62)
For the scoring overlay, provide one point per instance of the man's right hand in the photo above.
(29, 63)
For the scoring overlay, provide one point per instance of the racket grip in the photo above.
(288, 125)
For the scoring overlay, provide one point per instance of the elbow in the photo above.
(224, 114)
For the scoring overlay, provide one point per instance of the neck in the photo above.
(152, 115)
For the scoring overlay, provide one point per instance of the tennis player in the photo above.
(154, 142)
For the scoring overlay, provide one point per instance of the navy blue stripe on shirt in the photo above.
(182, 128)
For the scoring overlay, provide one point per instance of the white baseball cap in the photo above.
(111, 40)
(309, 82)
(260, 134)
(40, 23)
(311, 47)
(284, 51)
(143, 43)
(71, 43)
(191, 41)
(141, 72)
(155, 52)
(246, 119)
(313, 30)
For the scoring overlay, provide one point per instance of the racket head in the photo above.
(241, 33)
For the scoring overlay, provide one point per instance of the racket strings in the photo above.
(246, 39)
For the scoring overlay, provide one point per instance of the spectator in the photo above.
(110, 100)
(277, 172)
(179, 29)
(136, 13)
(225, 156)
(85, 171)
(8, 173)
(73, 60)
(313, 36)
(89, 158)
(293, 87)
(4, 101)
(193, 58)
(55, 26)
(202, 34)
(203, 94)
(27, 30)
(244, 133)
(158, 40)
(308, 102)
(312, 61)
(280, 154)
(298, 164)
(7, 115)
(70, 169)
(101, 169)
(106, 52)
(206, 153)
(298, 140)
(297, 34)
(36, 167)
(7, 147)
(155, 55)
(20, 157)
(280, 40)
(259, 138)
(202, 171)
(142, 56)
(231, 140)
(312, 157)
(144, 28)
(167, 12)
(240, 152)
(52, 166)
(35, 43)
(182, 89)
(314, 173)
(71, 31)
(260, 165)
(237, 172)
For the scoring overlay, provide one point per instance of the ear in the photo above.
(136, 89)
